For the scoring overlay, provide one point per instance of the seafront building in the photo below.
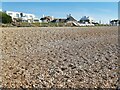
(86, 20)
(46, 19)
(115, 22)
(24, 17)
(31, 18)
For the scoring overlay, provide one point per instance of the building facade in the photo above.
(24, 17)
(86, 20)
(47, 19)
(115, 22)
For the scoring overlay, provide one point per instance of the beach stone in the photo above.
(59, 57)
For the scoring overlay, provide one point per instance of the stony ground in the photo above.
(59, 57)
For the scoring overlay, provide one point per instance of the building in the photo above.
(47, 19)
(86, 20)
(24, 17)
(56, 20)
(115, 22)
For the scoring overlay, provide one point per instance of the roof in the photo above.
(115, 21)
(46, 17)
(86, 18)
(59, 20)
(70, 18)
(19, 13)
(62, 20)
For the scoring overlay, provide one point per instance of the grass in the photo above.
(50, 24)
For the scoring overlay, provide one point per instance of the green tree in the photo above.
(4, 18)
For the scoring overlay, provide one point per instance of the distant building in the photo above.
(57, 20)
(47, 19)
(70, 20)
(24, 17)
(86, 20)
(115, 22)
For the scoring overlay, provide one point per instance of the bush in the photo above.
(4, 18)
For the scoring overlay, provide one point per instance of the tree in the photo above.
(4, 18)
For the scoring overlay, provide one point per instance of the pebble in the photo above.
(59, 57)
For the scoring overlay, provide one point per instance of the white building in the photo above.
(86, 20)
(25, 17)
(115, 22)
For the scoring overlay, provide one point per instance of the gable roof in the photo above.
(70, 18)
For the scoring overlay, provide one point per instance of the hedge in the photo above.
(4, 18)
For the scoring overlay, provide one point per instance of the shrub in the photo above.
(4, 18)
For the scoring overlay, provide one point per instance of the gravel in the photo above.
(61, 57)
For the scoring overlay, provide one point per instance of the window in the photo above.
(30, 16)
(17, 15)
(36, 20)
(9, 13)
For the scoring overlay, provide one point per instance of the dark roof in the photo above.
(62, 20)
(47, 17)
(70, 18)
(115, 20)
(59, 20)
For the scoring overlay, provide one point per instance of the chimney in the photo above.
(43, 16)
(52, 18)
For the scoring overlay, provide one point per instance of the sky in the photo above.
(103, 11)
(60, 0)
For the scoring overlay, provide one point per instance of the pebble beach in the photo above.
(59, 57)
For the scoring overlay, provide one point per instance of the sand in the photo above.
(61, 57)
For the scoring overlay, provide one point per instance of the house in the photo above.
(86, 20)
(115, 22)
(72, 21)
(68, 19)
(23, 17)
(47, 19)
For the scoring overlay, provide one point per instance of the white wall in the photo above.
(13, 14)
(26, 16)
